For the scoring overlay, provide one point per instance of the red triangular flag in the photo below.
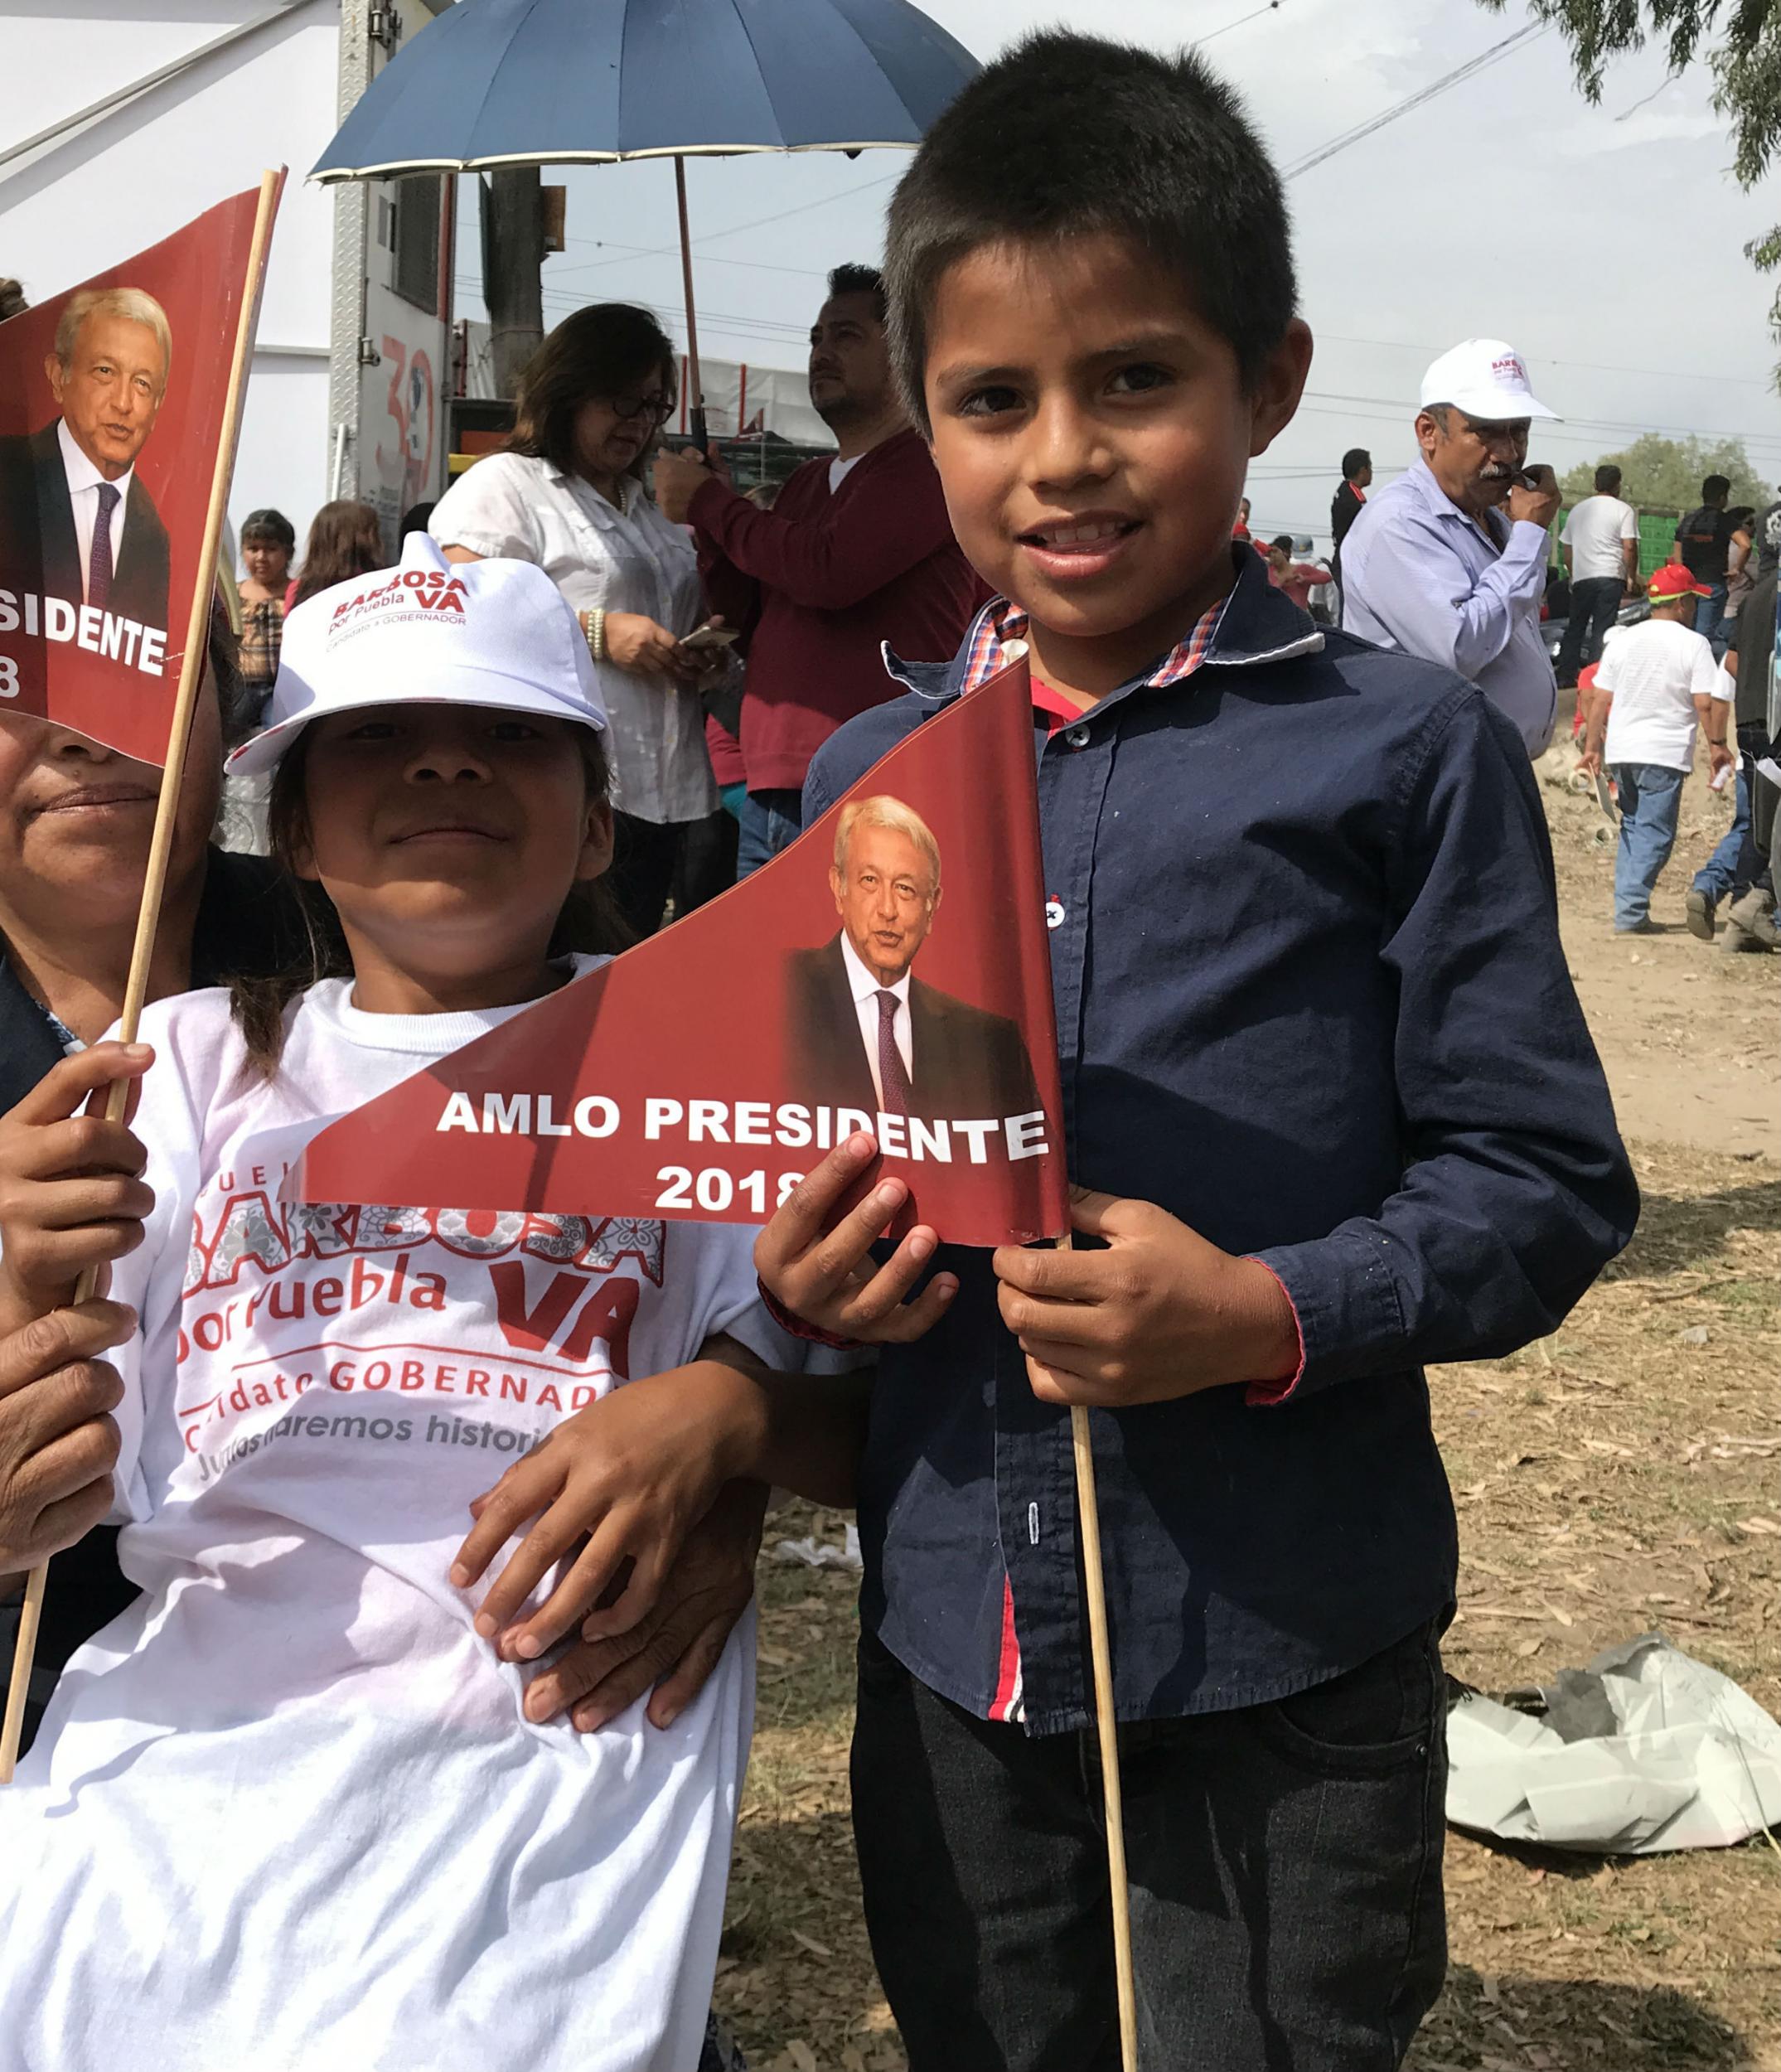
(701, 1074)
(92, 623)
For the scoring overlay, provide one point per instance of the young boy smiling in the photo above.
(1333, 1107)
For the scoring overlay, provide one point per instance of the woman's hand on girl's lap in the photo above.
(71, 1192)
(58, 1444)
(673, 1650)
(815, 1261)
(617, 1486)
(636, 643)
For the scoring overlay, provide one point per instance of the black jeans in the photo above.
(708, 861)
(1594, 602)
(1285, 1864)
(645, 854)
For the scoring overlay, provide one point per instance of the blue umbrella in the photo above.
(552, 82)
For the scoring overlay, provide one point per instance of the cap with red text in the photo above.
(1485, 378)
(428, 631)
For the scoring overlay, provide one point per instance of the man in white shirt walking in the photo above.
(1600, 548)
(1655, 685)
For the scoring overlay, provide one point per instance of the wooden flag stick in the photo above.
(1101, 1656)
(160, 851)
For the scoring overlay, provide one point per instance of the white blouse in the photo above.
(606, 558)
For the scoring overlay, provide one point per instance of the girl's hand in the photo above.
(623, 1481)
(71, 1191)
(638, 644)
(817, 1263)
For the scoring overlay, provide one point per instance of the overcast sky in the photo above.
(1606, 243)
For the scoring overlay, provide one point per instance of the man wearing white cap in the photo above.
(1448, 562)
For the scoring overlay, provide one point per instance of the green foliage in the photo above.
(1661, 474)
(1745, 61)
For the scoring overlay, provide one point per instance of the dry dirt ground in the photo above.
(1687, 1031)
(1619, 1477)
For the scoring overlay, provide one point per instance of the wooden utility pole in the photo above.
(513, 251)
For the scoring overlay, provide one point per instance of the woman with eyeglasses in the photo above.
(568, 493)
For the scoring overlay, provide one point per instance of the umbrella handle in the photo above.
(695, 416)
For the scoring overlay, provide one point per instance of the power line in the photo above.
(657, 251)
(1592, 425)
(1550, 360)
(1375, 409)
(1765, 450)
(1469, 70)
(755, 223)
(1211, 36)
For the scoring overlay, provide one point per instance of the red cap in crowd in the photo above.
(1674, 580)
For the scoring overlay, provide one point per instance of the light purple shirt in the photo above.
(1417, 575)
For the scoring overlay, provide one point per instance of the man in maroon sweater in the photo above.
(855, 551)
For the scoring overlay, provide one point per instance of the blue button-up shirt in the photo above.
(1310, 1000)
(1419, 576)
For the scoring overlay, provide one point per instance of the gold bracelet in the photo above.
(593, 625)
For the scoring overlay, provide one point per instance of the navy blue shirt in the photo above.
(1311, 1000)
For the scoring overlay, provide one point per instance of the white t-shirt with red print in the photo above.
(286, 1811)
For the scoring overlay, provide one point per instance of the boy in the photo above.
(1297, 579)
(1655, 682)
(1265, 846)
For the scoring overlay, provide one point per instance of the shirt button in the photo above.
(1076, 737)
(1054, 913)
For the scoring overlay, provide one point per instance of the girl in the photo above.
(288, 1809)
(345, 540)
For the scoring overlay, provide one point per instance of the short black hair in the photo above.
(1353, 461)
(1714, 487)
(1285, 541)
(853, 279)
(1607, 479)
(269, 525)
(1170, 162)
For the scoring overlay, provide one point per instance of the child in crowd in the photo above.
(1266, 847)
(269, 540)
(1297, 579)
(1655, 684)
(346, 540)
(293, 1808)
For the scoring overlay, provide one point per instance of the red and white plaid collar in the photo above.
(1001, 622)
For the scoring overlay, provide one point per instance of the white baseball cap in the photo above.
(1485, 379)
(428, 631)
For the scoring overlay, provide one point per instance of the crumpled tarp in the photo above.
(1646, 1750)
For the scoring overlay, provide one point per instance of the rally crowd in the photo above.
(443, 1766)
(794, 595)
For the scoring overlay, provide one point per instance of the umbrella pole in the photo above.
(696, 410)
